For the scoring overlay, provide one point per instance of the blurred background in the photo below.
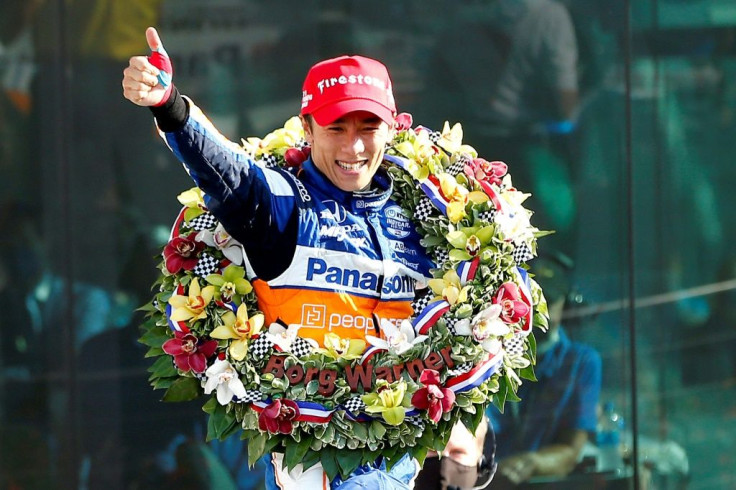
(618, 117)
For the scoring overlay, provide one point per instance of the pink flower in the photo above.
(190, 354)
(485, 171)
(278, 417)
(513, 306)
(432, 397)
(295, 157)
(182, 253)
(403, 121)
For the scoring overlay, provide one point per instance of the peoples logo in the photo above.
(313, 316)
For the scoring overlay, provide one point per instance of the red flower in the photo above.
(432, 397)
(295, 157)
(278, 417)
(513, 306)
(182, 253)
(485, 171)
(403, 121)
(190, 354)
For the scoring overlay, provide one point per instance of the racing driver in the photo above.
(328, 249)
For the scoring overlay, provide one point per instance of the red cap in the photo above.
(337, 86)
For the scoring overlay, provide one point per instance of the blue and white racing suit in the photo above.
(320, 257)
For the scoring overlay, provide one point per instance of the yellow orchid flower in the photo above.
(449, 288)
(240, 328)
(338, 348)
(389, 400)
(277, 141)
(193, 198)
(457, 196)
(422, 156)
(451, 140)
(191, 307)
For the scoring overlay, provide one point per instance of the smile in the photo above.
(351, 166)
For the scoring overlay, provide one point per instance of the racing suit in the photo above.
(320, 257)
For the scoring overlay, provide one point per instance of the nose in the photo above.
(355, 143)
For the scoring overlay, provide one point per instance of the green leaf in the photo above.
(295, 452)
(148, 307)
(256, 448)
(163, 367)
(348, 461)
(310, 459)
(457, 239)
(360, 431)
(528, 373)
(219, 422)
(432, 241)
(329, 463)
(162, 383)
(154, 352)
(457, 255)
(183, 389)
(154, 337)
(377, 429)
(210, 406)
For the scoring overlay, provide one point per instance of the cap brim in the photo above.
(331, 112)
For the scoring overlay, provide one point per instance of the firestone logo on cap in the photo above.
(337, 86)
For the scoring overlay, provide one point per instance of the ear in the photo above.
(307, 130)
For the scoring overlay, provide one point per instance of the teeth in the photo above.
(349, 166)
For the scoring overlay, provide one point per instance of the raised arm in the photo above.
(256, 205)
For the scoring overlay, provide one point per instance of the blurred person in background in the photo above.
(544, 433)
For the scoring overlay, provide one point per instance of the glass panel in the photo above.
(682, 132)
(598, 124)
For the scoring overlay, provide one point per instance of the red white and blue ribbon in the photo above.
(370, 352)
(430, 188)
(177, 224)
(176, 326)
(476, 376)
(466, 270)
(429, 316)
(491, 193)
(308, 411)
(434, 195)
(524, 284)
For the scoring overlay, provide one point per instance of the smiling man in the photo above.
(328, 249)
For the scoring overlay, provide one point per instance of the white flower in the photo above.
(486, 328)
(221, 376)
(230, 247)
(284, 337)
(513, 220)
(398, 339)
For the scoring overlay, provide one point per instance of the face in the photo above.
(349, 150)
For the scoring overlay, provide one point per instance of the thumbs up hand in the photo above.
(147, 81)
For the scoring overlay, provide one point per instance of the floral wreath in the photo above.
(352, 401)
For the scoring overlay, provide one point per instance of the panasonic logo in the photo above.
(319, 271)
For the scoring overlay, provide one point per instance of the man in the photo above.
(544, 433)
(329, 250)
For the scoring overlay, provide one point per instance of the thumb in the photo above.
(154, 41)
(160, 59)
